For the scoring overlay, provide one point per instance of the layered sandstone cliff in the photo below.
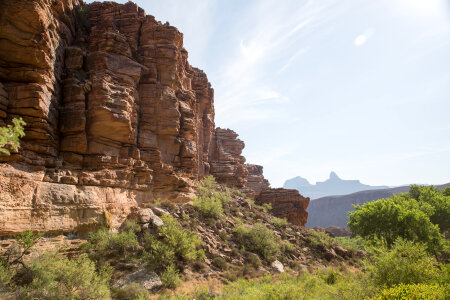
(115, 114)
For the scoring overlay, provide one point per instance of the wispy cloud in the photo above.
(363, 37)
(291, 60)
(245, 82)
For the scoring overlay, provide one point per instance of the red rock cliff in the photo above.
(116, 116)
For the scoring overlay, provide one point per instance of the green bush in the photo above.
(105, 243)
(210, 201)
(173, 244)
(287, 247)
(61, 278)
(320, 239)
(220, 263)
(170, 277)
(258, 239)
(209, 207)
(415, 292)
(254, 260)
(405, 263)
(351, 243)
(132, 291)
(5, 275)
(279, 223)
(9, 135)
(330, 276)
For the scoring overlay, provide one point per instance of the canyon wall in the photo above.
(116, 117)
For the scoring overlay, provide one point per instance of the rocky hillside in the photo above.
(219, 237)
(332, 211)
(116, 118)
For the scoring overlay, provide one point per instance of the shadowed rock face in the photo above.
(115, 114)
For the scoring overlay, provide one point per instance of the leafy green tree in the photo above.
(398, 216)
(439, 201)
(9, 135)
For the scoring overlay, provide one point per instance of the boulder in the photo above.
(147, 280)
(277, 266)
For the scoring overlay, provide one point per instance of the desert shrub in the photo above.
(405, 263)
(9, 135)
(132, 291)
(170, 277)
(399, 216)
(236, 192)
(287, 247)
(330, 276)
(173, 244)
(61, 278)
(209, 207)
(258, 239)
(107, 222)
(415, 292)
(320, 239)
(5, 275)
(210, 200)
(267, 207)
(105, 243)
(351, 243)
(279, 222)
(220, 263)
(253, 260)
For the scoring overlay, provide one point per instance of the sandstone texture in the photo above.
(256, 182)
(287, 204)
(116, 117)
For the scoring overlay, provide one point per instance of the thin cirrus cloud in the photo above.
(260, 56)
(363, 37)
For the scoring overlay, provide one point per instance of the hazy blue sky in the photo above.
(358, 87)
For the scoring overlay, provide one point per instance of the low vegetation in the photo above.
(376, 264)
(9, 136)
(258, 239)
(210, 201)
(173, 246)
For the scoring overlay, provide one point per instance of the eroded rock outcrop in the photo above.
(115, 114)
(287, 204)
(256, 182)
(227, 163)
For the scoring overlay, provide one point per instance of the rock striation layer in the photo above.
(116, 117)
(287, 204)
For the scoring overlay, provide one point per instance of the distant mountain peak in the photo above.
(334, 185)
(296, 182)
(334, 176)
